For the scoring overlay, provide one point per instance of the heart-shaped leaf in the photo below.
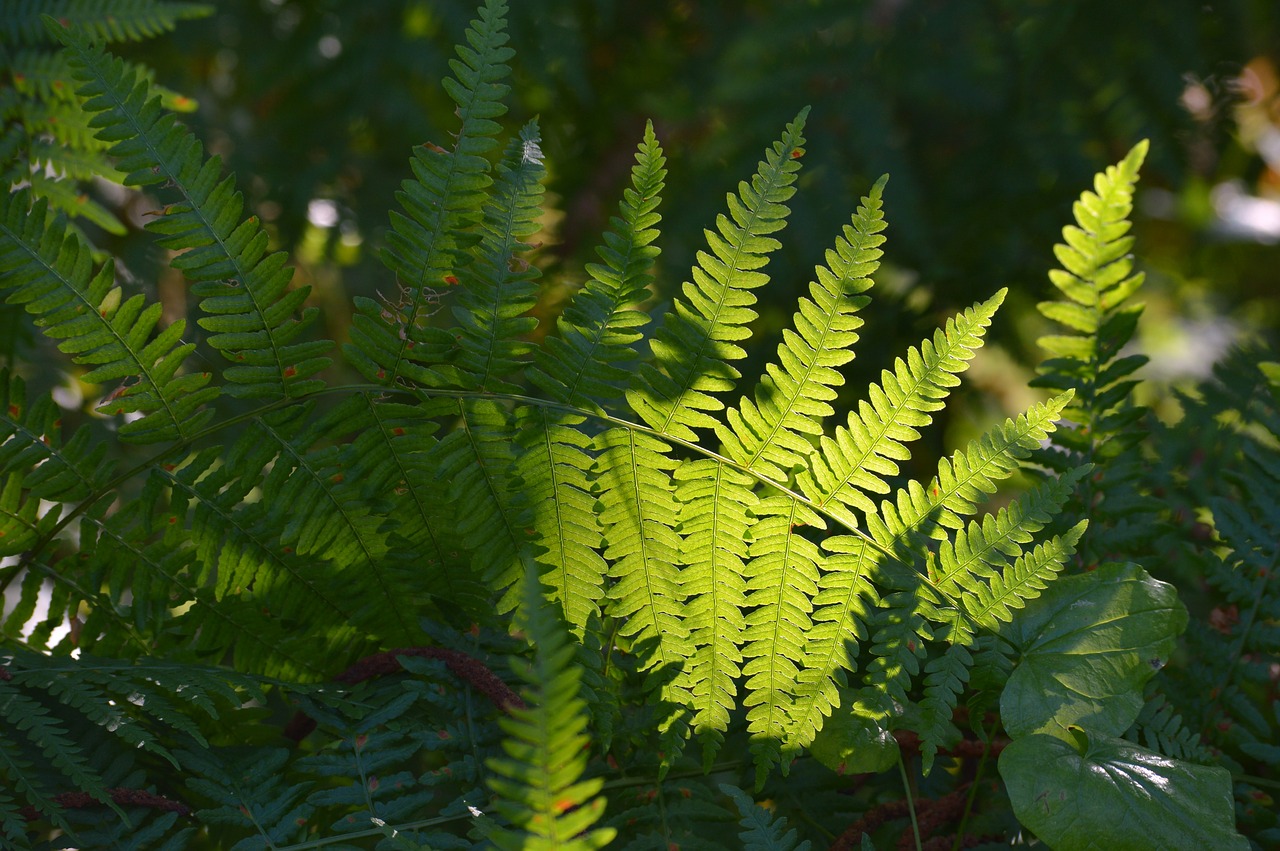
(1087, 646)
(1099, 793)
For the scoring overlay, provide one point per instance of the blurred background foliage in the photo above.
(990, 117)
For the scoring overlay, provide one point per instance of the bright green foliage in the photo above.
(698, 337)
(539, 782)
(757, 578)
(1097, 279)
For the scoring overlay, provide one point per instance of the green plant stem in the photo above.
(911, 804)
(973, 787)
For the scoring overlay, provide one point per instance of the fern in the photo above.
(243, 289)
(539, 780)
(759, 831)
(674, 566)
(427, 247)
(50, 271)
(1097, 280)
(693, 345)
(46, 142)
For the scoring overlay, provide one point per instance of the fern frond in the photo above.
(539, 781)
(443, 205)
(697, 339)
(101, 20)
(843, 610)
(49, 268)
(1097, 280)
(591, 359)
(498, 288)
(640, 514)
(552, 474)
(784, 579)
(760, 830)
(857, 459)
(492, 517)
(47, 739)
(945, 678)
(773, 434)
(249, 789)
(244, 289)
(989, 606)
(37, 466)
(714, 500)
(964, 479)
(975, 555)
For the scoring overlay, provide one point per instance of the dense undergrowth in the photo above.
(569, 589)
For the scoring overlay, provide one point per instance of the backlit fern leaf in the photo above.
(243, 289)
(714, 500)
(857, 459)
(697, 339)
(772, 434)
(976, 554)
(552, 472)
(989, 606)
(589, 362)
(443, 204)
(1097, 279)
(539, 780)
(640, 514)
(784, 579)
(48, 268)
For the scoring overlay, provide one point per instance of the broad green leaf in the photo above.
(1086, 647)
(853, 743)
(1103, 793)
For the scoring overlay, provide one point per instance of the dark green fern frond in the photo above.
(36, 465)
(591, 360)
(498, 286)
(697, 339)
(475, 461)
(443, 204)
(856, 461)
(249, 789)
(35, 745)
(762, 831)
(243, 289)
(539, 782)
(101, 20)
(773, 434)
(48, 268)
